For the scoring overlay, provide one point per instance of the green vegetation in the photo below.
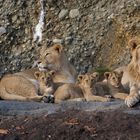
(101, 69)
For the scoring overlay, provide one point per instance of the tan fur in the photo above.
(131, 76)
(113, 81)
(25, 85)
(82, 90)
(54, 58)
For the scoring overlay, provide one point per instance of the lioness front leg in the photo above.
(77, 99)
(133, 97)
(121, 96)
(35, 98)
(97, 98)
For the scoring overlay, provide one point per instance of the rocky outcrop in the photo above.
(94, 32)
(12, 108)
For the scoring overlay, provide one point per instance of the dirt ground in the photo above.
(72, 125)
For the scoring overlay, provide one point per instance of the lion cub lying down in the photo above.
(87, 88)
(113, 82)
(84, 89)
(29, 85)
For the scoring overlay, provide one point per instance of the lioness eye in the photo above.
(47, 54)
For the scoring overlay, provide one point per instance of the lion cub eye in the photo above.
(43, 78)
(113, 78)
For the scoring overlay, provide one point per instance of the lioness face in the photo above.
(51, 57)
(114, 78)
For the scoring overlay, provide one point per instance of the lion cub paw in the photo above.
(131, 100)
(108, 98)
(48, 99)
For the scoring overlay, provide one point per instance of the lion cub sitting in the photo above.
(82, 90)
(25, 87)
(113, 82)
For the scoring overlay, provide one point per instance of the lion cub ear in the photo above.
(52, 72)
(37, 74)
(58, 48)
(95, 75)
(132, 44)
(107, 74)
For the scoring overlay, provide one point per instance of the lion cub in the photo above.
(113, 82)
(23, 87)
(82, 90)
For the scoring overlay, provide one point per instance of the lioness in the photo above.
(83, 89)
(54, 58)
(131, 76)
(26, 85)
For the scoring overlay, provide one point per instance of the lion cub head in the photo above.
(45, 82)
(88, 80)
(51, 58)
(114, 78)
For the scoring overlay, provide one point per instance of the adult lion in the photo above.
(54, 58)
(131, 76)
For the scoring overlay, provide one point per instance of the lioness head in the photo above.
(51, 58)
(114, 78)
(45, 81)
(134, 47)
(88, 80)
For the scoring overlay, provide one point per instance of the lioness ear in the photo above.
(58, 48)
(37, 74)
(132, 44)
(80, 77)
(120, 73)
(106, 74)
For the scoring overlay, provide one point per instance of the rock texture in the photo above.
(94, 32)
(12, 108)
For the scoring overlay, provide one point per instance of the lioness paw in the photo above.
(108, 99)
(81, 99)
(48, 99)
(108, 96)
(131, 100)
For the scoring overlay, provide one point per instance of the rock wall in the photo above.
(94, 32)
